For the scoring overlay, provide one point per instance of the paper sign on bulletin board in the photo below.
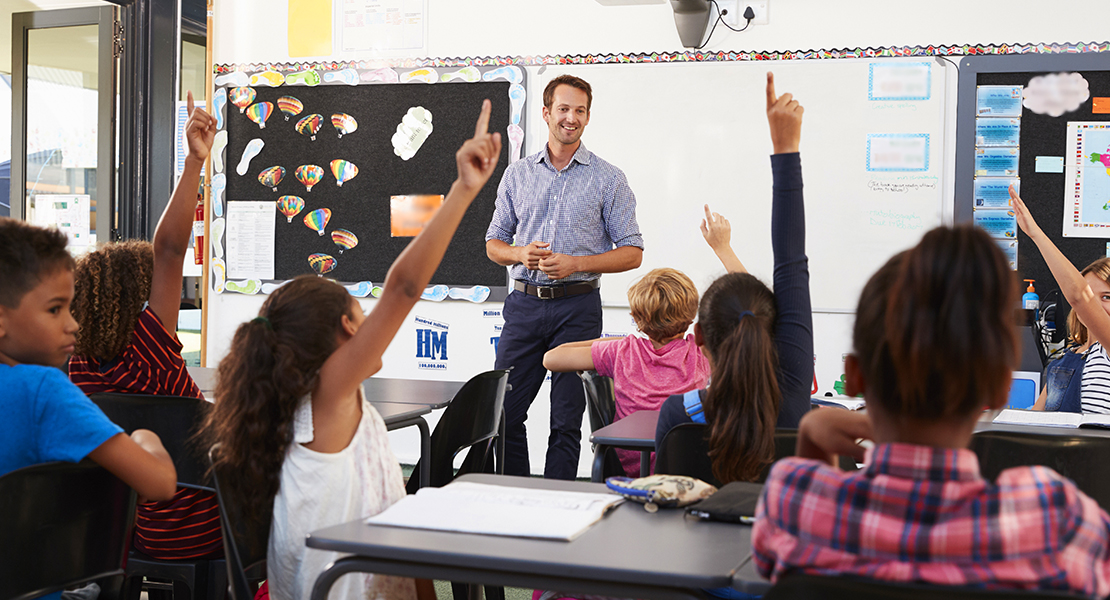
(309, 28)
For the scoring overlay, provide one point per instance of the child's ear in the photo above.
(3, 321)
(699, 339)
(348, 325)
(854, 383)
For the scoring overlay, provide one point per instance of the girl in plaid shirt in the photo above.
(934, 346)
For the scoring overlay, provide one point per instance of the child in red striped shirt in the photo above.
(126, 300)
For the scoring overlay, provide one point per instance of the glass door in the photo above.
(63, 121)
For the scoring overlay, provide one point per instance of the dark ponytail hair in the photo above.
(273, 362)
(736, 317)
(934, 330)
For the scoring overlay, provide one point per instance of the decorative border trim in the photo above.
(682, 57)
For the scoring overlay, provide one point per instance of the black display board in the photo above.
(362, 204)
(1041, 135)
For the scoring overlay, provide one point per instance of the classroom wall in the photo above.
(470, 28)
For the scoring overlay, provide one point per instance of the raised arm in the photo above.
(171, 237)
(794, 321)
(141, 462)
(361, 356)
(1072, 284)
(717, 232)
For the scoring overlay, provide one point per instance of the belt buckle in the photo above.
(545, 292)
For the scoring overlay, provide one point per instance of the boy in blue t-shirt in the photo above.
(45, 417)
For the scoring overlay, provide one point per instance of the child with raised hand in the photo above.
(1088, 293)
(292, 424)
(759, 343)
(47, 418)
(646, 371)
(934, 346)
(127, 299)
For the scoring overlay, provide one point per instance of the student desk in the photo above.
(1042, 430)
(634, 432)
(630, 553)
(404, 403)
(436, 394)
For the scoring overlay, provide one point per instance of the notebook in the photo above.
(733, 503)
(467, 507)
(1051, 418)
(838, 401)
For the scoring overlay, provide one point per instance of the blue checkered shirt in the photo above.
(584, 210)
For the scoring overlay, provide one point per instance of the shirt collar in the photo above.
(582, 155)
(911, 461)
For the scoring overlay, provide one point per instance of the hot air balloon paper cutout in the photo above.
(260, 112)
(309, 175)
(321, 263)
(271, 177)
(290, 106)
(318, 219)
(241, 97)
(290, 206)
(344, 170)
(344, 123)
(344, 239)
(310, 125)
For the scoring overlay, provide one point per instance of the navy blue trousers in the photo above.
(532, 327)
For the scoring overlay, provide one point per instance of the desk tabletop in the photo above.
(436, 394)
(636, 431)
(394, 413)
(629, 545)
(982, 426)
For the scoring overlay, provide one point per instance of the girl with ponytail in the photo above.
(296, 436)
(759, 344)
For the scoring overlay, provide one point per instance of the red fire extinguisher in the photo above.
(198, 233)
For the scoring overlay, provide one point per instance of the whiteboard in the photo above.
(688, 134)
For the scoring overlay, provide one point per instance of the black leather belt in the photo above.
(551, 292)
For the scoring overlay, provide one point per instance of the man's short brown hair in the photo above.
(572, 81)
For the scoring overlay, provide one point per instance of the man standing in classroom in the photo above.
(563, 217)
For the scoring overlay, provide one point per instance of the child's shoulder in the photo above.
(23, 378)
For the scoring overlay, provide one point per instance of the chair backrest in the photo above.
(175, 420)
(805, 587)
(1077, 457)
(62, 524)
(685, 451)
(600, 399)
(245, 544)
(472, 420)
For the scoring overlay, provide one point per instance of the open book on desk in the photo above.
(1052, 419)
(847, 402)
(499, 510)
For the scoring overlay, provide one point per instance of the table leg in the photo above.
(645, 463)
(597, 475)
(337, 569)
(425, 453)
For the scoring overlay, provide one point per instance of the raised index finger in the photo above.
(482, 126)
(771, 97)
(708, 214)
(189, 104)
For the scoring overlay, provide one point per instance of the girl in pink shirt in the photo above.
(646, 371)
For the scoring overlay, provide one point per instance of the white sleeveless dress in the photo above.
(320, 490)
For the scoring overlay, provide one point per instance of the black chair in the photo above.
(245, 542)
(806, 587)
(601, 406)
(685, 451)
(1077, 457)
(472, 420)
(62, 525)
(175, 420)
